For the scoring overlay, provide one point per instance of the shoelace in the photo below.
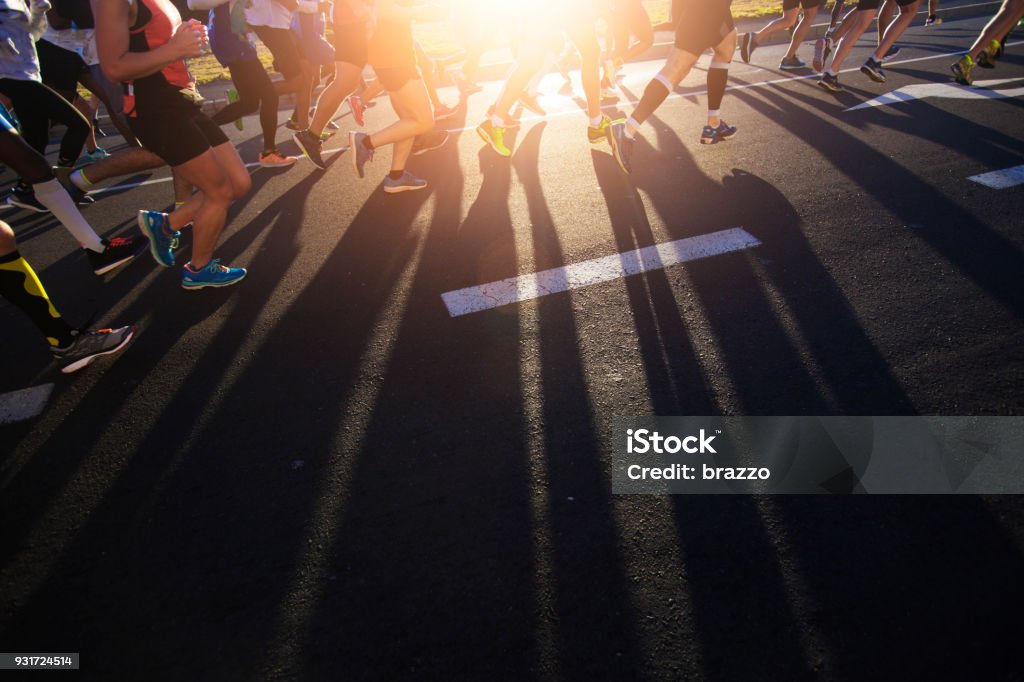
(216, 266)
(213, 266)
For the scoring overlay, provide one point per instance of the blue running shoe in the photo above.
(724, 131)
(361, 154)
(212, 275)
(162, 242)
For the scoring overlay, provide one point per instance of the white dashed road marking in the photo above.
(604, 269)
(1001, 179)
(17, 406)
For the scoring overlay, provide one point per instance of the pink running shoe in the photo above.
(358, 109)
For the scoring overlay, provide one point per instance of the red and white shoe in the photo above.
(275, 159)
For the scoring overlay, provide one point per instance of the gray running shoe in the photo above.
(407, 183)
(89, 345)
(360, 153)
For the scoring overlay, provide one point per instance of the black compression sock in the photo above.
(717, 77)
(20, 286)
(654, 94)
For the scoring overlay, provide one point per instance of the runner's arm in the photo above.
(113, 19)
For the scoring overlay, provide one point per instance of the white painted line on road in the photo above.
(1001, 179)
(557, 280)
(743, 86)
(980, 90)
(133, 185)
(18, 406)
(580, 112)
(157, 181)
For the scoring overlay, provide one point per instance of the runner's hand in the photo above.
(190, 39)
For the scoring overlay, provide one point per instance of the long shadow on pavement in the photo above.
(908, 587)
(979, 252)
(434, 551)
(200, 529)
(947, 562)
(740, 595)
(730, 581)
(591, 596)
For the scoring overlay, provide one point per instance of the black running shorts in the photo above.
(350, 44)
(283, 46)
(702, 24)
(394, 79)
(177, 134)
(793, 4)
(60, 68)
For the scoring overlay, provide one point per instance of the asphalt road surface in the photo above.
(321, 473)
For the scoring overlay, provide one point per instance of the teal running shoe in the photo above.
(162, 242)
(212, 275)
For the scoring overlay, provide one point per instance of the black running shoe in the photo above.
(830, 82)
(873, 70)
(89, 345)
(724, 131)
(310, 145)
(792, 63)
(23, 196)
(118, 251)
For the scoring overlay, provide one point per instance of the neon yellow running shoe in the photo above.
(494, 136)
(962, 70)
(600, 132)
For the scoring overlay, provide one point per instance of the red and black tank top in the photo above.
(171, 86)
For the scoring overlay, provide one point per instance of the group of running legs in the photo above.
(144, 44)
